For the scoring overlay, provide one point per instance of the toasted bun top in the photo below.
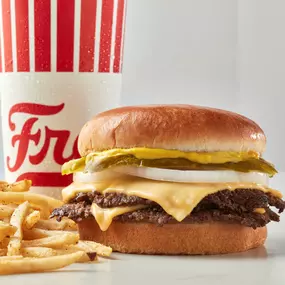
(181, 127)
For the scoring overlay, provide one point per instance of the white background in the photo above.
(222, 53)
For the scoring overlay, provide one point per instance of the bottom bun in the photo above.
(143, 238)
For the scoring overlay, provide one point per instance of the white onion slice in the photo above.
(102, 176)
(194, 176)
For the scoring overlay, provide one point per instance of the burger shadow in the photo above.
(273, 248)
(61, 271)
(256, 253)
(109, 258)
(276, 247)
(70, 271)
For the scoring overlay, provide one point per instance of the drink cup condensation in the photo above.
(60, 64)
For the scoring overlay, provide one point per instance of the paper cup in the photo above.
(60, 64)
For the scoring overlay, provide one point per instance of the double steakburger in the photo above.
(171, 179)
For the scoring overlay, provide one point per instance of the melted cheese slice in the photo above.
(177, 199)
(105, 216)
(259, 211)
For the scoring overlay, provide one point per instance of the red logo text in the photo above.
(26, 136)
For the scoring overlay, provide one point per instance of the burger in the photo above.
(171, 179)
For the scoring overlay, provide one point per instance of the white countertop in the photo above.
(262, 266)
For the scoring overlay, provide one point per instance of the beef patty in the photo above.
(224, 206)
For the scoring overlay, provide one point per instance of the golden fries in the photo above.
(55, 225)
(4, 243)
(3, 185)
(92, 249)
(30, 242)
(69, 224)
(43, 203)
(12, 205)
(14, 257)
(87, 257)
(17, 221)
(28, 265)
(6, 211)
(6, 230)
(32, 219)
(3, 252)
(53, 241)
(90, 246)
(38, 252)
(39, 233)
(21, 186)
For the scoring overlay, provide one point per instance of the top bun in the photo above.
(180, 127)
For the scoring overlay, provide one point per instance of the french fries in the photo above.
(90, 246)
(6, 230)
(92, 250)
(14, 257)
(38, 252)
(39, 202)
(4, 243)
(3, 252)
(6, 211)
(54, 225)
(17, 221)
(28, 265)
(53, 241)
(30, 242)
(32, 219)
(21, 186)
(3, 185)
(36, 233)
(84, 259)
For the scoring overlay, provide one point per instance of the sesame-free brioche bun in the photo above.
(180, 127)
(177, 238)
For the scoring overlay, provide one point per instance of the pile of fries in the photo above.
(30, 241)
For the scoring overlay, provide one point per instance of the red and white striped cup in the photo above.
(60, 63)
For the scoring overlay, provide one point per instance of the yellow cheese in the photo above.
(177, 199)
(104, 217)
(259, 211)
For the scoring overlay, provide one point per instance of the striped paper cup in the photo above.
(60, 63)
